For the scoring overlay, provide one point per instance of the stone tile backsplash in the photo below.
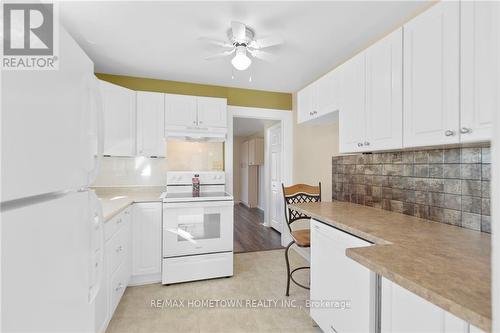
(444, 185)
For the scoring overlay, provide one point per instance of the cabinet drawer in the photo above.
(113, 225)
(198, 267)
(117, 249)
(117, 285)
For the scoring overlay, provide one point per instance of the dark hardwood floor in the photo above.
(249, 233)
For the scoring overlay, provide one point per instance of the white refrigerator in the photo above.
(51, 223)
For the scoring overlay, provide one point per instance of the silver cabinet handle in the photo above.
(367, 143)
(360, 144)
(194, 122)
(465, 130)
(120, 286)
(310, 113)
(449, 133)
(200, 122)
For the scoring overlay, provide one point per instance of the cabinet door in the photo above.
(325, 97)
(479, 69)
(304, 105)
(335, 277)
(384, 93)
(180, 111)
(119, 120)
(150, 124)
(352, 116)
(212, 112)
(431, 77)
(403, 311)
(146, 238)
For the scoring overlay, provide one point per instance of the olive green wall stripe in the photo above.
(235, 96)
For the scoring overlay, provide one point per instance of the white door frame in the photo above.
(286, 119)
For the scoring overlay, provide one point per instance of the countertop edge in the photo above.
(458, 310)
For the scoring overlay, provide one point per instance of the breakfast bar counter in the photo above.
(446, 265)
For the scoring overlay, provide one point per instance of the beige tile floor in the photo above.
(257, 275)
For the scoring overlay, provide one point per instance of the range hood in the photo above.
(197, 135)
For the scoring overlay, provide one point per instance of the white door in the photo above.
(44, 118)
(212, 112)
(384, 93)
(146, 238)
(119, 120)
(276, 204)
(335, 277)
(150, 124)
(180, 110)
(431, 76)
(244, 172)
(352, 119)
(479, 69)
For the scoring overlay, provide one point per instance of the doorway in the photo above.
(251, 232)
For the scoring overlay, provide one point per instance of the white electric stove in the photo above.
(197, 228)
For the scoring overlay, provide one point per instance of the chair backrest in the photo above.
(299, 193)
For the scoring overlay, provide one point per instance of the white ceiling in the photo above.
(160, 39)
(248, 126)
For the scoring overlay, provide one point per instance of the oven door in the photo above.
(197, 227)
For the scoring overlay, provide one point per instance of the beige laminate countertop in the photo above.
(115, 199)
(446, 265)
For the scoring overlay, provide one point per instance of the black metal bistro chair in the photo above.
(299, 193)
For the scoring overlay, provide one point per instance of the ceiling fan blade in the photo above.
(266, 56)
(216, 42)
(238, 30)
(220, 55)
(266, 42)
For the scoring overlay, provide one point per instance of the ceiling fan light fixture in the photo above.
(241, 61)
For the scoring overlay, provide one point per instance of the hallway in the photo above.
(249, 233)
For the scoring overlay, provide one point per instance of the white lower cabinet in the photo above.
(146, 242)
(402, 311)
(342, 291)
(117, 252)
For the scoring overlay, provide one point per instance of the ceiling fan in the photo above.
(241, 42)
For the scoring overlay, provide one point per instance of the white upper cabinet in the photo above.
(304, 104)
(180, 110)
(479, 55)
(192, 113)
(384, 93)
(319, 98)
(150, 124)
(212, 112)
(119, 120)
(352, 116)
(431, 76)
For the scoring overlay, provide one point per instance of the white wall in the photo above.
(262, 187)
(314, 144)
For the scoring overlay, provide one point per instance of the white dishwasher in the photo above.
(344, 293)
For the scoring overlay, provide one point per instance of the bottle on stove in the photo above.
(196, 185)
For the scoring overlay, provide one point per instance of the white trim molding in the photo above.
(286, 119)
